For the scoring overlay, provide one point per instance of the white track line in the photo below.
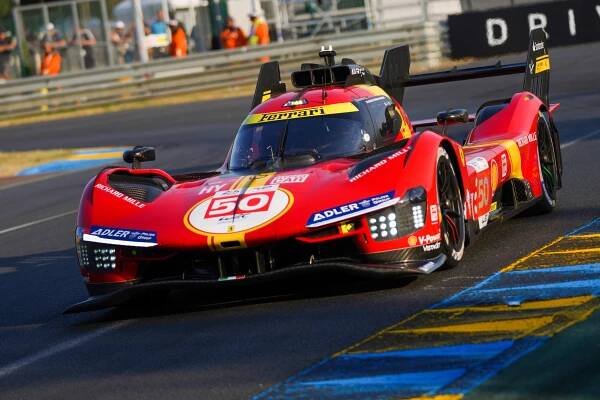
(39, 179)
(579, 139)
(38, 221)
(58, 348)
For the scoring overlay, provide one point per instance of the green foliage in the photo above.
(5, 9)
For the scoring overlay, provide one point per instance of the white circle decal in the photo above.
(235, 211)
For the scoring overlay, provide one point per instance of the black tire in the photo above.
(548, 168)
(452, 213)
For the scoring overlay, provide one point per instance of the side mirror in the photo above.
(392, 119)
(138, 155)
(459, 115)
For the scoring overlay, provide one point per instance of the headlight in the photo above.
(407, 216)
(105, 258)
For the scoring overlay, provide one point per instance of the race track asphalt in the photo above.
(244, 344)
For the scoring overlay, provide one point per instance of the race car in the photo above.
(330, 176)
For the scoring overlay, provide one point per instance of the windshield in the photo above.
(323, 137)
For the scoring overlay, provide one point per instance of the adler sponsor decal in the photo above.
(119, 195)
(120, 236)
(350, 210)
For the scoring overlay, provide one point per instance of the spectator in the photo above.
(233, 36)
(53, 37)
(259, 30)
(159, 26)
(7, 45)
(51, 60)
(198, 39)
(178, 46)
(86, 39)
(123, 43)
(159, 29)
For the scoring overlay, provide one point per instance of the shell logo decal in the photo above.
(238, 211)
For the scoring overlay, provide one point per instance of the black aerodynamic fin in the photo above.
(269, 83)
(537, 74)
(394, 71)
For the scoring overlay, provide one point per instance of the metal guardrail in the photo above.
(210, 71)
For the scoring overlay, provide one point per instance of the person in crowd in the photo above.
(179, 45)
(122, 41)
(54, 37)
(158, 25)
(51, 60)
(86, 39)
(259, 30)
(7, 45)
(197, 39)
(233, 36)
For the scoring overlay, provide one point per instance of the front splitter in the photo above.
(123, 295)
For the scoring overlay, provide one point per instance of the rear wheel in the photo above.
(451, 210)
(548, 168)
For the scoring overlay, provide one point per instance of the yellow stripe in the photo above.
(261, 180)
(240, 182)
(584, 236)
(96, 156)
(513, 154)
(218, 240)
(516, 326)
(439, 397)
(330, 109)
(528, 256)
(592, 250)
(532, 305)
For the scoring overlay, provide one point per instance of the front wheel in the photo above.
(452, 210)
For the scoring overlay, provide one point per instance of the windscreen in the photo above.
(322, 137)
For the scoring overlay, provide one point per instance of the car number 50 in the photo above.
(246, 204)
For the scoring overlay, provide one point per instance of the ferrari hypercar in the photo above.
(331, 175)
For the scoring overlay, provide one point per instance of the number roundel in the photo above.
(233, 212)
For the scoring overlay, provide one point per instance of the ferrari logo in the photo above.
(230, 228)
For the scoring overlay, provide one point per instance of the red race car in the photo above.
(331, 176)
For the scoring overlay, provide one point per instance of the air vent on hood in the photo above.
(142, 188)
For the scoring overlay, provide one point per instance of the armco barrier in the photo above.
(492, 32)
(214, 70)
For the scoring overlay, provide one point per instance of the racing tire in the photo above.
(548, 168)
(452, 213)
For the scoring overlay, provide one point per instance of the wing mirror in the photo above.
(452, 117)
(460, 115)
(392, 119)
(138, 155)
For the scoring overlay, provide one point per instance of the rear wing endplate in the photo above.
(394, 73)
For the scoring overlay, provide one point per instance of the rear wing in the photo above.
(394, 73)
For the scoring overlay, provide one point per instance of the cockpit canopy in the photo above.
(299, 137)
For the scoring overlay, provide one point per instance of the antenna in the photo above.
(327, 53)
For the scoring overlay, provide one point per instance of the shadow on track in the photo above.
(326, 285)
